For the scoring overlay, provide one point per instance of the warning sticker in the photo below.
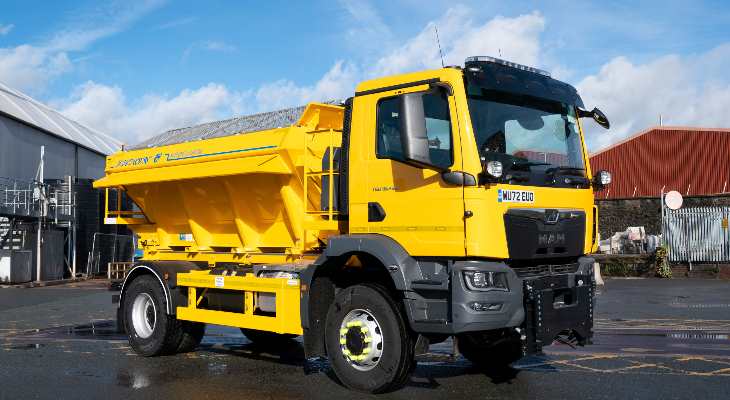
(515, 196)
(220, 281)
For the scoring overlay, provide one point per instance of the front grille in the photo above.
(545, 270)
(536, 234)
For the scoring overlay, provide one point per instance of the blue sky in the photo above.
(135, 68)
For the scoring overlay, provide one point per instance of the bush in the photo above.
(618, 268)
(661, 263)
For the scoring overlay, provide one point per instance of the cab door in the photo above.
(413, 205)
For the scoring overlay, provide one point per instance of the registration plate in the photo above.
(515, 196)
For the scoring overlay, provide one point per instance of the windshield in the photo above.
(527, 134)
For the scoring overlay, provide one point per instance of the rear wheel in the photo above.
(368, 342)
(192, 335)
(150, 330)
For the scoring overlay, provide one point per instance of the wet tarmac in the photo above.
(62, 343)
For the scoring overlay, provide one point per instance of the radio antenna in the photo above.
(438, 42)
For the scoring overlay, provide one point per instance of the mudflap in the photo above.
(555, 306)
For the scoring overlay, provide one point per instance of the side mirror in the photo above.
(413, 132)
(601, 179)
(597, 116)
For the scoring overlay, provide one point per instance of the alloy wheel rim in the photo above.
(361, 340)
(144, 315)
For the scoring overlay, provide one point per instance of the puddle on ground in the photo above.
(24, 346)
(316, 365)
(96, 330)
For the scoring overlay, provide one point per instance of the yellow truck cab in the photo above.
(455, 202)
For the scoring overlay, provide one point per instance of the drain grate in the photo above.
(698, 336)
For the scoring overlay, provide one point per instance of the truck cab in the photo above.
(480, 177)
(504, 144)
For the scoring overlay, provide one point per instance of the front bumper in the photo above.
(543, 306)
(557, 304)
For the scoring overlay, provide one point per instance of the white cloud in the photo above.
(691, 90)
(5, 29)
(367, 32)
(175, 23)
(89, 27)
(106, 109)
(517, 39)
(29, 67)
(338, 83)
(686, 90)
(208, 45)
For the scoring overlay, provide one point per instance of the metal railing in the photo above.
(19, 197)
(109, 248)
(697, 234)
(61, 199)
(34, 199)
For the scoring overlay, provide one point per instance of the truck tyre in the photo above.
(484, 351)
(369, 346)
(150, 330)
(192, 335)
(265, 338)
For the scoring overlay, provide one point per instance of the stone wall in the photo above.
(615, 215)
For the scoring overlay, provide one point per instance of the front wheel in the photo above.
(368, 342)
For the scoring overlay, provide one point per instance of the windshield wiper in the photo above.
(525, 165)
(531, 163)
(577, 171)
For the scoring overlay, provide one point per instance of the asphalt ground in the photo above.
(667, 339)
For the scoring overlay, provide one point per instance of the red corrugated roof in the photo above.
(687, 159)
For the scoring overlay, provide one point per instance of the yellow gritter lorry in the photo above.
(455, 202)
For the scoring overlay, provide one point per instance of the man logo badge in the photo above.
(552, 216)
(551, 239)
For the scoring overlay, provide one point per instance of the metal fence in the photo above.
(697, 234)
(109, 248)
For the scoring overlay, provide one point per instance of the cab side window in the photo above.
(389, 144)
(438, 128)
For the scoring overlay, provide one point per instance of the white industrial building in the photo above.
(52, 196)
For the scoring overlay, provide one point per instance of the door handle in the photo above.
(376, 213)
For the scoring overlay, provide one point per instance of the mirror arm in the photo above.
(584, 113)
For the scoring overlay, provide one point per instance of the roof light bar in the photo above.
(507, 64)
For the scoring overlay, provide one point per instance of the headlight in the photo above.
(494, 168)
(604, 178)
(486, 280)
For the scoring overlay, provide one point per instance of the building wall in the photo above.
(90, 164)
(694, 161)
(615, 215)
(20, 151)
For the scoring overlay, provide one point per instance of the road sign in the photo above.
(673, 200)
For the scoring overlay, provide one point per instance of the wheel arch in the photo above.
(382, 260)
(166, 274)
